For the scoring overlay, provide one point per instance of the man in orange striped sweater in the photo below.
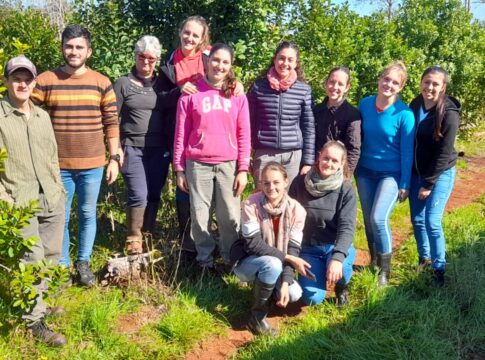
(82, 106)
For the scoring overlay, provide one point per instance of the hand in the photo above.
(305, 169)
(238, 89)
(284, 295)
(188, 88)
(423, 193)
(112, 171)
(334, 272)
(182, 181)
(403, 195)
(240, 183)
(298, 264)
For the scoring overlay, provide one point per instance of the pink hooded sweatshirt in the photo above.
(212, 129)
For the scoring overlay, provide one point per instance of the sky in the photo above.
(478, 10)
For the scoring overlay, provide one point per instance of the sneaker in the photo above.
(84, 275)
(55, 311)
(43, 333)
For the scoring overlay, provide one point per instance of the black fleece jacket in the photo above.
(432, 157)
(343, 124)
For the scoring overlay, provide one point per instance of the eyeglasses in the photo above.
(150, 59)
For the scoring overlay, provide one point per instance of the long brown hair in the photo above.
(230, 81)
(440, 105)
(341, 146)
(288, 45)
(205, 40)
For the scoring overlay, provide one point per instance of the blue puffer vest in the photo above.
(282, 120)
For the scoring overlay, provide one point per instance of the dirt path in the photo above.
(470, 184)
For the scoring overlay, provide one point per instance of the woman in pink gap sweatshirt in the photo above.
(211, 154)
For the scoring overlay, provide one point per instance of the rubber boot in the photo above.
(150, 217)
(384, 266)
(373, 257)
(342, 294)
(257, 322)
(134, 223)
(186, 242)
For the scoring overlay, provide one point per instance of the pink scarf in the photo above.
(280, 84)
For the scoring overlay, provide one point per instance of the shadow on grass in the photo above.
(409, 320)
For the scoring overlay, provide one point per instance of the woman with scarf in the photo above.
(331, 205)
(145, 162)
(282, 123)
(267, 252)
(437, 118)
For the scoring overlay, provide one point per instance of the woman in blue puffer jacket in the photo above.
(282, 123)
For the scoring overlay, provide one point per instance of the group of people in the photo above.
(194, 113)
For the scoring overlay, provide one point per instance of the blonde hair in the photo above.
(400, 67)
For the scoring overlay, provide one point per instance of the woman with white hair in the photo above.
(145, 163)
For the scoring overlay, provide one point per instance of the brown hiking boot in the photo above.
(43, 333)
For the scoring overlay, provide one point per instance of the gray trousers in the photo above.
(290, 159)
(48, 227)
(208, 182)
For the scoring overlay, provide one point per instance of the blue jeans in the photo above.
(378, 192)
(144, 170)
(268, 270)
(319, 257)
(86, 184)
(427, 216)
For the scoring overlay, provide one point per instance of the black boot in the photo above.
(439, 278)
(257, 322)
(134, 223)
(384, 266)
(373, 257)
(43, 333)
(342, 294)
(150, 217)
(84, 275)
(183, 214)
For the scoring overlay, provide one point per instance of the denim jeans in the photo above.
(319, 257)
(144, 170)
(86, 184)
(378, 192)
(268, 270)
(427, 216)
(207, 182)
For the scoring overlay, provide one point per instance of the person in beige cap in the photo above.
(32, 173)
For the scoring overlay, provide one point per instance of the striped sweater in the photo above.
(83, 112)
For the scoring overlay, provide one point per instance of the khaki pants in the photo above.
(207, 182)
(48, 227)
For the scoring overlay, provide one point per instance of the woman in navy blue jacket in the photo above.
(282, 123)
(437, 119)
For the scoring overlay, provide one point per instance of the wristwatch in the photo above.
(115, 157)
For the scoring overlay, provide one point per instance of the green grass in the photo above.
(409, 320)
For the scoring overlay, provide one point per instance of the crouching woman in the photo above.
(267, 252)
(331, 205)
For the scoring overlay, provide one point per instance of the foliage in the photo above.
(113, 32)
(32, 28)
(18, 278)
